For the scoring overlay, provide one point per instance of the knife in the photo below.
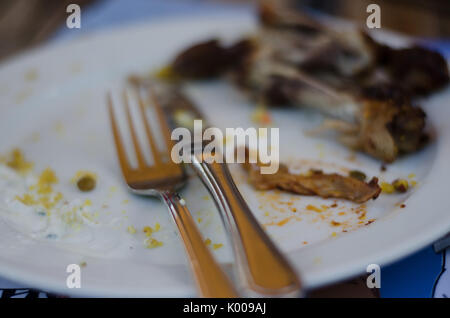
(262, 270)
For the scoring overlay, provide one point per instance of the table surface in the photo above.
(413, 276)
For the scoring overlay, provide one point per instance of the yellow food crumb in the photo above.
(44, 196)
(23, 95)
(207, 242)
(45, 202)
(131, 229)
(147, 231)
(283, 222)
(88, 216)
(83, 264)
(334, 234)
(16, 160)
(184, 118)
(153, 243)
(31, 75)
(58, 197)
(206, 198)
(199, 220)
(27, 199)
(387, 187)
(165, 73)
(59, 127)
(125, 201)
(413, 183)
(217, 246)
(261, 115)
(411, 175)
(313, 208)
(87, 202)
(46, 179)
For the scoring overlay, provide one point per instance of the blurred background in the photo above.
(26, 23)
(423, 18)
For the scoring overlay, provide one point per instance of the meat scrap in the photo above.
(317, 183)
(210, 59)
(355, 81)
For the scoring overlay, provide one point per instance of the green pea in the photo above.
(86, 183)
(356, 174)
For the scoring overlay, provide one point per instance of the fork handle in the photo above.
(211, 280)
(261, 266)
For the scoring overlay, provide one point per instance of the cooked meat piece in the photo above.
(305, 42)
(279, 90)
(407, 128)
(386, 130)
(374, 137)
(383, 121)
(317, 48)
(320, 184)
(364, 86)
(238, 52)
(209, 59)
(386, 92)
(419, 70)
(272, 15)
(203, 60)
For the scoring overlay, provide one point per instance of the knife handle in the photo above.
(262, 269)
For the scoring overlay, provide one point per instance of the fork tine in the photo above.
(162, 120)
(137, 148)
(118, 141)
(152, 142)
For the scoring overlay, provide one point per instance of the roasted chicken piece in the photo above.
(316, 183)
(381, 126)
(367, 88)
(209, 59)
(349, 53)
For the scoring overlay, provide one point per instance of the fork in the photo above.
(162, 179)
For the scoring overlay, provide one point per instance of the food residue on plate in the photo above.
(85, 180)
(33, 204)
(215, 246)
(31, 75)
(261, 116)
(150, 241)
(397, 186)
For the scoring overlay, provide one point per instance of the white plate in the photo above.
(52, 105)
